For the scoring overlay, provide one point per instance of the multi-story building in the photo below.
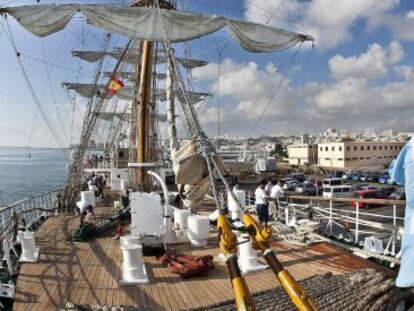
(358, 155)
(300, 154)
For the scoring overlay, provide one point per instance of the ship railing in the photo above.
(31, 209)
(351, 226)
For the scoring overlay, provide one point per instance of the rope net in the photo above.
(362, 290)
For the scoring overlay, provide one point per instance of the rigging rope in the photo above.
(204, 147)
(188, 109)
(273, 15)
(276, 91)
(32, 91)
(48, 63)
(89, 124)
(48, 76)
(32, 129)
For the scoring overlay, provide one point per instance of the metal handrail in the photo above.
(31, 208)
(329, 216)
(14, 204)
(348, 200)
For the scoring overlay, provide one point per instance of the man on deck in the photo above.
(276, 193)
(261, 203)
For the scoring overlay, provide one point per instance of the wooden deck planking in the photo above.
(89, 273)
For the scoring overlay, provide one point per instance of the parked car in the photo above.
(297, 176)
(306, 189)
(366, 187)
(337, 174)
(348, 175)
(359, 186)
(327, 182)
(355, 176)
(368, 194)
(290, 185)
(372, 178)
(384, 179)
(399, 194)
(314, 181)
(343, 191)
(388, 191)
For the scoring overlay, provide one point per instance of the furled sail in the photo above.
(131, 57)
(89, 90)
(144, 23)
(132, 75)
(125, 116)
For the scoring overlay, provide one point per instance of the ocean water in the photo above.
(22, 176)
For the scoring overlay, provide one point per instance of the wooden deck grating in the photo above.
(89, 273)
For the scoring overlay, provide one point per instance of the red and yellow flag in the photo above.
(114, 86)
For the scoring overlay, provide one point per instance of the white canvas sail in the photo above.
(145, 24)
(89, 90)
(131, 57)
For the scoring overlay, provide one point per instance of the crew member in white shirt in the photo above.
(276, 193)
(261, 203)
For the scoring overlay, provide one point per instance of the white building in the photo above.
(300, 154)
(358, 155)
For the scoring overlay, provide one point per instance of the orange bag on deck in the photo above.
(188, 266)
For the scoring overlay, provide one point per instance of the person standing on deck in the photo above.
(90, 215)
(261, 203)
(268, 187)
(276, 193)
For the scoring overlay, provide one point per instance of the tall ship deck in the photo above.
(89, 273)
(222, 249)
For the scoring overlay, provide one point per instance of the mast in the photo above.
(133, 125)
(172, 130)
(143, 115)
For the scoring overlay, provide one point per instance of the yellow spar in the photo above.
(228, 245)
(260, 237)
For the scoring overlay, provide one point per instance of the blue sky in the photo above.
(359, 74)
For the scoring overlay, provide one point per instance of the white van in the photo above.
(342, 191)
(327, 182)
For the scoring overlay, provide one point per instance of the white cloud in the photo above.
(247, 89)
(329, 21)
(401, 24)
(354, 100)
(373, 63)
(407, 72)
(211, 71)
